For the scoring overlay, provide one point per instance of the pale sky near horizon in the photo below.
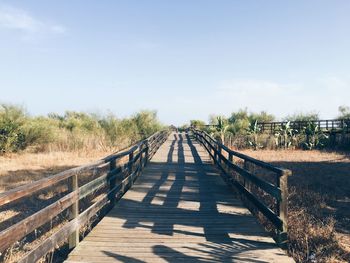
(186, 59)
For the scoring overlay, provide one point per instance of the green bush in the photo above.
(38, 131)
(12, 136)
(311, 116)
(197, 124)
(72, 131)
(146, 123)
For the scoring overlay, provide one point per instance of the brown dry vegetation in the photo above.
(18, 169)
(319, 202)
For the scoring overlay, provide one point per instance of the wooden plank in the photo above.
(73, 238)
(179, 210)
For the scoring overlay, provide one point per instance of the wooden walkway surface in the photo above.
(179, 210)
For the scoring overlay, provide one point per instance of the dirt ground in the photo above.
(319, 188)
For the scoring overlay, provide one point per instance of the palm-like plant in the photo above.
(253, 132)
(286, 136)
(221, 129)
(314, 136)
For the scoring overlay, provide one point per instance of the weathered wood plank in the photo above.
(179, 210)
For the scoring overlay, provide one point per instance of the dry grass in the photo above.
(319, 203)
(19, 169)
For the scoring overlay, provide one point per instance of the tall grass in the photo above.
(71, 131)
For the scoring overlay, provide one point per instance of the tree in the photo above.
(197, 124)
(311, 116)
(241, 114)
(263, 116)
(147, 123)
(344, 112)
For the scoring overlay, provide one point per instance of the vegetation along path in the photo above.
(179, 210)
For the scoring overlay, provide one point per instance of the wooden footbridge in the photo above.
(179, 208)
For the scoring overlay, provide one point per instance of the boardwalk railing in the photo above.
(268, 197)
(331, 126)
(113, 176)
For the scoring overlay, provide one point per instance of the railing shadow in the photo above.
(185, 181)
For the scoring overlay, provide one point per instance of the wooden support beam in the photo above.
(74, 213)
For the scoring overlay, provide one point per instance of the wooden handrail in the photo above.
(119, 177)
(241, 155)
(277, 190)
(29, 189)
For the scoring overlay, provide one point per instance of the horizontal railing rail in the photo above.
(113, 175)
(235, 167)
(328, 126)
(336, 125)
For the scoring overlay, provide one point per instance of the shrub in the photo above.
(311, 116)
(38, 132)
(12, 136)
(72, 131)
(146, 123)
(197, 124)
(109, 124)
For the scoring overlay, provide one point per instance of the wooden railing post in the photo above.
(282, 207)
(215, 149)
(112, 183)
(131, 164)
(219, 154)
(230, 157)
(245, 167)
(146, 152)
(73, 239)
(141, 156)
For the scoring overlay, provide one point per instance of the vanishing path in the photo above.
(179, 210)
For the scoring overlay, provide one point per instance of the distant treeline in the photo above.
(241, 130)
(72, 130)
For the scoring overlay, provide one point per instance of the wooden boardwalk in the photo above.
(179, 210)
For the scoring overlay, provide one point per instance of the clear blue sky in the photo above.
(184, 58)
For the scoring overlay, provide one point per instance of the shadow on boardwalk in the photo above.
(224, 235)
